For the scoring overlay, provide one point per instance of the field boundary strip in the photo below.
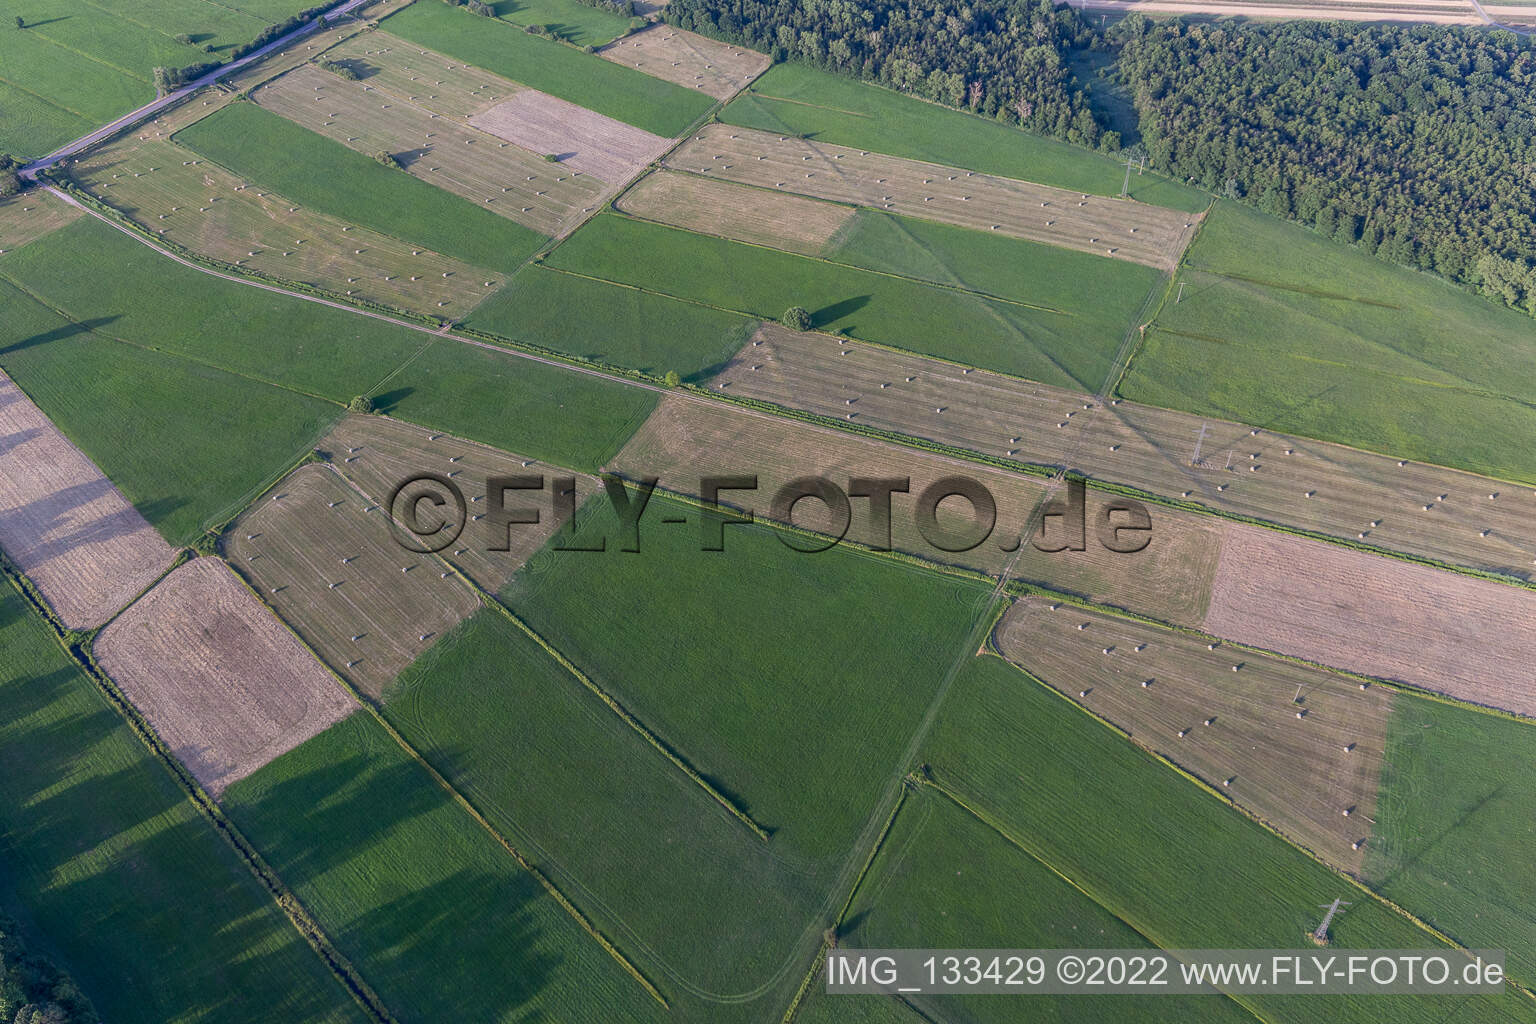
(298, 915)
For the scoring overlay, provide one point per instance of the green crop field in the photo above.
(327, 176)
(586, 79)
(152, 301)
(1173, 862)
(800, 100)
(564, 417)
(153, 913)
(1054, 347)
(611, 324)
(188, 444)
(945, 880)
(1454, 836)
(565, 19)
(31, 125)
(604, 813)
(820, 1008)
(1282, 328)
(433, 912)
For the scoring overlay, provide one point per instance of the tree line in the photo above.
(1005, 59)
(1417, 143)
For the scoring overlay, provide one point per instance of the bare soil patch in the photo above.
(1468, 638)
(1118, 228)
(62, 522)
(581, 139)
(1334, 490)
(792, 223)
(220, 679)
(686, 439)
(1299, 774)
(687, 59)
(323, 556)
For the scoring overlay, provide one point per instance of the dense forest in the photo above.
(1002, 58)
(33, 990)
(1417, 142)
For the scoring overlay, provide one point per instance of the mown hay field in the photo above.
(443, 85)
(1174, 863)
(1334, 490)
(796, 99)
(322, 555)
(612, 324)
(1469, 638)
(1296, 746)
(687, 439)
(193, 202)
(622, 93)
(64, 525)
(29, 217)
(944, 879)
(1281, 327)
(608, 818)
(688, 59)
(791, 223)
(953, 323)
(225, 685)
(156, 915)
(574, 136)
(419, 897)
(187, 443)
(334, 171)
(1118, 228)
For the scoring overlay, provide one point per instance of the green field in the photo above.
(1454, 836)
(186, 443)
(326, 176)
(116, 873)
(565, 19)
(611, 324)
(153, 301)
(801, 100)
(428, 906)
(597, 84)
(605, 814)
(1173, 862)
(1054, 347)
(1282, 328)
(558, 415)
(945, 880)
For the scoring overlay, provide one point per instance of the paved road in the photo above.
(29, 172)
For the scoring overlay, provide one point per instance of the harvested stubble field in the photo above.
(1312, 777)
(688, 438)
(28, 217)
(173, 192)
(1122, 229)
(1471, 639)
(223, 682)
(792, 223)
(323, 556)
(426, 78)
(64, 524)
(1429, 12)
(515, 183)
(688, 59)
(1335, 490)
(376, 454)
(578, 138)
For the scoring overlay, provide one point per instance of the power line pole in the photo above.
(1320, 936)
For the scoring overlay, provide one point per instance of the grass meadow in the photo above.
(106, 861)
(1283, 328)
(327, 176)
(800, 100)
(1054, 347)
(566, 19)
(1454, 836)
(606, 815)
(1173, 862)
(188, 444)
(435, 914)
(585, 79)
(611, 324)
(943, 879)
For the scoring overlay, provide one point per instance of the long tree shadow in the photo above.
(837, 310)
(69, 330)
